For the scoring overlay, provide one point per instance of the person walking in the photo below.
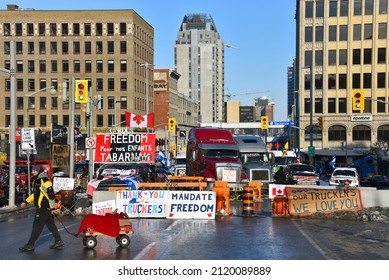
(43, 198)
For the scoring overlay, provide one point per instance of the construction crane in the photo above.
(228, 95)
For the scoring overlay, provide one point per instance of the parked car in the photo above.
(381, 182)
(341, 174)
(302, 174)
(145, 172)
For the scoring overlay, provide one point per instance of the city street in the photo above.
(236, 237)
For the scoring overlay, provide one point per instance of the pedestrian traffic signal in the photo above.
(171, 125)
(320, 122)
(81, 91)
(264, 122)
(358, 99)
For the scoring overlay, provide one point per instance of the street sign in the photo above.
(311, 151)
(283, 123)
(90, 143)
(28, 138)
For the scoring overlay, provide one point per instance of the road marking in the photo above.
(314, 244)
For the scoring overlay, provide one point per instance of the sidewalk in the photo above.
(10, 210)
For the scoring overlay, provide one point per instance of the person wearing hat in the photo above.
(43, 198)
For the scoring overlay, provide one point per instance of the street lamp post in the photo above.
(12, 128)
(146, 64)
(52, 92)
(310, 110)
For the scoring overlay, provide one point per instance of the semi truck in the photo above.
(213, 154)
(257, 161)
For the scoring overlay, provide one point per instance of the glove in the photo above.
(23, 204)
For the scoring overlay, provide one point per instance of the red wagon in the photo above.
(117, 225)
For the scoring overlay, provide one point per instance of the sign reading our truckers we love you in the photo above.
(167, 204)
(125, 147)
(304, 201)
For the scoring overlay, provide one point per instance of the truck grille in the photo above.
(259, 175)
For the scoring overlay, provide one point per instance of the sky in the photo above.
(264, 31)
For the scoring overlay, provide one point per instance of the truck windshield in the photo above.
(220, 153)
(284, 160)
(256, 158)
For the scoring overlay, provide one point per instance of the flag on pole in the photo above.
(163, 159)
(133, 120)
(333, 161)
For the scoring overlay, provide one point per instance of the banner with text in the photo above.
(167, 204)
(142, 203)
(126, 147)
(191, 205)
(309, 201)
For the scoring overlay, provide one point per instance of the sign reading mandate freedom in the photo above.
(126, 147)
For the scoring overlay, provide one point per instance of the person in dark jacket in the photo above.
(280, 176)
(43, 198)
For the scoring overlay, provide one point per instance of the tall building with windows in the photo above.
(342, 46)
(199, 58)
(107, 48)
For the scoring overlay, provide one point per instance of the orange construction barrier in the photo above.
(248, 200)
(280, 205)
(257, 189)
(222, 197)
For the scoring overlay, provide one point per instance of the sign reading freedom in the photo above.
(126, 147)
(304, 201)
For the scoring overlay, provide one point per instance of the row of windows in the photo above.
(64, 29)
(339, 81)
(341, 7)
(43, 122)
(340, 105)
(111, 84)
(359, 133)
(65, 67)
(88, 46)
(340, 57)
(340, 33)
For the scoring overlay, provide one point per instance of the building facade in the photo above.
(342, 47)
(199, 58)
(110, 49)
(172, 104)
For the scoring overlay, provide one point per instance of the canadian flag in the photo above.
(133, 120)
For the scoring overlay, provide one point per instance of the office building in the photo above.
(199, 58)
(342, 48)
(111, 49)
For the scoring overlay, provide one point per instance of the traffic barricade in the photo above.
(280, 206)
(222, 198)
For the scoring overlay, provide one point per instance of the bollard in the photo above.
(248, 201)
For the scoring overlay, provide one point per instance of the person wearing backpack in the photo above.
(43, 198)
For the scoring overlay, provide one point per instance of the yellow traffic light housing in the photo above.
(171, 125)
(358, 99)
(264, 122)
(81, 91)
(284, 153)
(320, 122)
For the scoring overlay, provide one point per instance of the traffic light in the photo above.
(284, 153)
(264, 122)
(320, 122)
(358, 99)
(81, 92)
(171, 125)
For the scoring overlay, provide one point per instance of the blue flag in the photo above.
(333, 161)
(163, 159)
